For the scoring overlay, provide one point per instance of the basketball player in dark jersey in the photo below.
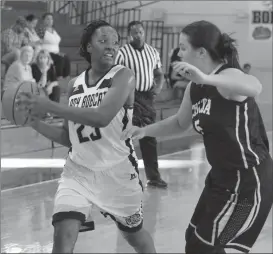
(101, 170)
(220, 103)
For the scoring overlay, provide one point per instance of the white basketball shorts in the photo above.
(117, 192)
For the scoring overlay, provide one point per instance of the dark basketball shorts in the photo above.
(231, 217)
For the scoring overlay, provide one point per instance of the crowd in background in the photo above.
(30, 51)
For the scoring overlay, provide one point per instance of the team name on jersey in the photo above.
(201, 107)
(75, 102)
(89, 100)
(92, 100)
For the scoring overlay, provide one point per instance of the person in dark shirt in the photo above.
(44, 73)
(219, 102)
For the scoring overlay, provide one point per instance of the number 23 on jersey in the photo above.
(93, 136)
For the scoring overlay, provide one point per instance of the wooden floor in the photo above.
(26, 216)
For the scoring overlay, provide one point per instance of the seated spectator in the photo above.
(246, 68)
(43, 72)
(12, 39)
(50, 41)
(20, 70)
(30, 33)
(177, 82)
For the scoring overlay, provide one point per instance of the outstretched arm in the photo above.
(175, 124)
(123, 84)
(231, 81)
(235, 81)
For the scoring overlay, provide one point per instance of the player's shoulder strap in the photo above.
(113, 71)
(77, 83)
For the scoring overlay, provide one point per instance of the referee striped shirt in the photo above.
(142, 62)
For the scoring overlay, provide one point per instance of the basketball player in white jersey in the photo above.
(101, 169)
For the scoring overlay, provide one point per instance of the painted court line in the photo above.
(163, 164)
(10, 163)
(17, 163)
(30, 185)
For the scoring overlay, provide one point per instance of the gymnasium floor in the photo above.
(26, 213)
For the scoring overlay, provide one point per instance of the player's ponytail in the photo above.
(220, 46)
(228, 51)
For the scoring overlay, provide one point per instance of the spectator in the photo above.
(43, 72)
(247, 68)
(20, 70)
(30, 33)
(144, 61)
(12, 40)
(50, 40)
(177, 82)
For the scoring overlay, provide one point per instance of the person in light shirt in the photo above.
(50, 41)
(20, 70)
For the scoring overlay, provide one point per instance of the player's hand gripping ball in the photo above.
(15, 113)
(34, 103)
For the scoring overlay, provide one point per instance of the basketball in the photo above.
(9, 105)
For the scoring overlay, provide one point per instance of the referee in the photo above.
(144, 61)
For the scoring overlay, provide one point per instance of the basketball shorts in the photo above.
(117, 192)
(231, 217)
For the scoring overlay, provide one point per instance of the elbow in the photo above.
(180, 124)
(257, 87)
(184, 123)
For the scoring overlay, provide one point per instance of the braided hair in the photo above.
(86, 36)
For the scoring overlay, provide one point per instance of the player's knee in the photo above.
(138, 239)
(65, 235)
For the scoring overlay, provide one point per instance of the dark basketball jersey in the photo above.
(233, 132)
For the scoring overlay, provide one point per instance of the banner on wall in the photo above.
(261, 21)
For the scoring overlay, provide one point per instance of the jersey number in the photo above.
(95, 135)
(198, 127)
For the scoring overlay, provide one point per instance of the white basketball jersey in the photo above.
(99, 148)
